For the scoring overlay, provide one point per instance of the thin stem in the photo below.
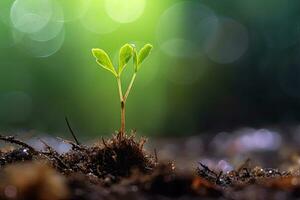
(129, 87)
(122, 129)
(71, 131)
(123, 101)
(123, 119)
(120, 89)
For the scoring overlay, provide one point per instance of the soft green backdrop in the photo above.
(215, 64)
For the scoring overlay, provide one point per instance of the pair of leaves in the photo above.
(126, 53)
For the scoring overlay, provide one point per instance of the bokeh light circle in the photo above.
(228, 43)
(44, 48)
(184, 29)
(30, 16)
(125, 11)
(98, 22)
(53, 27)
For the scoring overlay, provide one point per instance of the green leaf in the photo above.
(103, 60)
(124, 56)
(135, 58)
(143, 54)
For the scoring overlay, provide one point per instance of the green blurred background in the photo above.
(216, 65)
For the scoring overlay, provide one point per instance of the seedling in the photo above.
(127, 52)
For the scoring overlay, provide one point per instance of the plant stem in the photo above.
(120, 88)
(122, 129)
(129, 87)
(123, 102)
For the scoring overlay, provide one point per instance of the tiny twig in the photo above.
(11, 139)
(207, 169)
(53, 154)
(244, 165)
(219, 176)
(60, 162)
(142, 143)
(71, 131)
(49, 148)
(104, 143)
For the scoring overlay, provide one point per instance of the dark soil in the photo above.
(120, 168)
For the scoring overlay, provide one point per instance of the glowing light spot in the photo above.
(45, 48)
(224, 166)
(228, 42)
(261, 139)
(98, 22)
(125, 11)
(199, 22)
(53, 27)
(56, 144)
(30, 16)
(247, 140)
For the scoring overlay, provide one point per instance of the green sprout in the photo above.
(127, 52)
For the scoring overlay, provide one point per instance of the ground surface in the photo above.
(243, 164)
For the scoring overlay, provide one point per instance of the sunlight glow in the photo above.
(125, 11)
(98, 22)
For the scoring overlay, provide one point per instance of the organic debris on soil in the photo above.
(248, 182)
(244, 175)
(110, 169)
(109, 160)
(120, 168)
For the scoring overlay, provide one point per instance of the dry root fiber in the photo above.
(109, 160)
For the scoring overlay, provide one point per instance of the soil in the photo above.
(120, 167)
